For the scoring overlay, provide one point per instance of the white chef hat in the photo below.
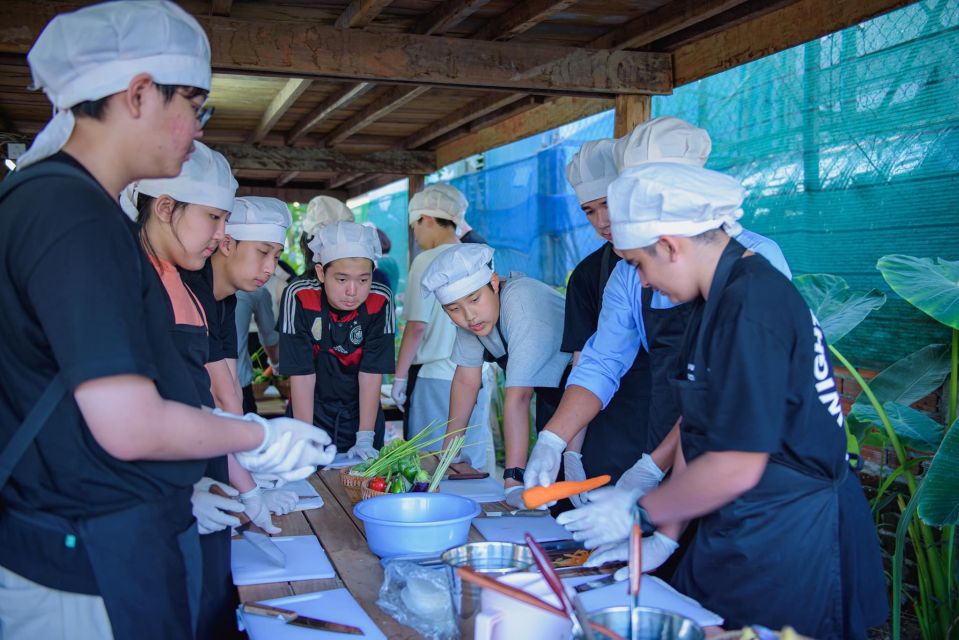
(439, 201)
(128, 201)
(95, 51)
(323, 210)
(345, 240)
(458, 272)
(259, 218)
(665, 198)
(662, 139)
(205, 179)
(591, 170)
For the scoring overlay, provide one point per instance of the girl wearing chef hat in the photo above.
(762, 460)
(336, 339)
(99, 538)
(183, 222)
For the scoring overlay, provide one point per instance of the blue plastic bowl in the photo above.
(416, 523)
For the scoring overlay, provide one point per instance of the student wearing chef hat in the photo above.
(628, 320)
(763, 458)
(103, 435)
(336, 339)
(516, 322)
(424, 370)
(183, 222)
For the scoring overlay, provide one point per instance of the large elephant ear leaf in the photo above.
(838, 310)
(932, 286)
(939, 501)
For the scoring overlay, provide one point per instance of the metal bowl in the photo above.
(654, 624)
(491, 558)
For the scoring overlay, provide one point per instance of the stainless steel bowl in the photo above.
(490, 558)
(654, 624)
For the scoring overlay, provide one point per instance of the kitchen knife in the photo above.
(517, 513)
(462, 471)
(605, 581)
(297, 620)
(261, 542)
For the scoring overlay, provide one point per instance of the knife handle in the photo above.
(259, 609)
(217, 491)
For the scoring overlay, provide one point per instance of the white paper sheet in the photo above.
(305, 560)
(483, 490)
(303, 488)
(336, 605)
(653, 593)
(512, 528)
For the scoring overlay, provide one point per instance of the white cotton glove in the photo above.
(543, 465)
(645, 475)
(514, 497)
(607, 518)
(211, 510)
(258, 511)
(574, 471)
(398, 392)
(279, 501)
(656, 550)
(363, 448)
(291, 450)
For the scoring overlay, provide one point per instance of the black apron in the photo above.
(782, 534)
(617, 436)
(218, 601)
(664, 337)
(337, 415)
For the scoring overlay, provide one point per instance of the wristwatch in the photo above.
(513, 473)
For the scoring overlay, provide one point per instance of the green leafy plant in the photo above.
(882, 412)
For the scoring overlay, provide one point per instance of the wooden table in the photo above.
(344, 540)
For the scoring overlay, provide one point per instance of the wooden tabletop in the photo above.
(344, 540)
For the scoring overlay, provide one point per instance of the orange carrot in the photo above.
(267, 372)
(538, 496)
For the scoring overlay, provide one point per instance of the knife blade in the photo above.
(603, 569)
(261, 542)
(517, 513)
(293, 618)
(598, 583)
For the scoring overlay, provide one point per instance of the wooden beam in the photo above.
(282, 101)
(360, 13)
(659, 23)
(221, 7)
(472, 111)
(344, 178)
(388, 100)
(317, 51)
(547, 116)
(284, 178)
(521, 18)
(788, 27)
(368, 183)
(314, 51)
(524, 104)
(415, 185)
(631, 111)
(749, 10)
(338, 100)
(288, 194)
(446, 16)
(281, 159)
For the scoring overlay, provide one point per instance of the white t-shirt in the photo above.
(437, 343)
(531, 319)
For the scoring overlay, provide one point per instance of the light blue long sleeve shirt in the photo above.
(258, 305)
(611, 351)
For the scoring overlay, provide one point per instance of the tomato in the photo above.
(378, 484)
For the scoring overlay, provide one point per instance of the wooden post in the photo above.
(631, 111)
(416, 184)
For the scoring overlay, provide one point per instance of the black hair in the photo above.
(310, 264)
(144, 206)
(97, 108)
(385, 243)
(443, 222)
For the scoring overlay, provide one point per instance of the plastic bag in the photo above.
(419, 597)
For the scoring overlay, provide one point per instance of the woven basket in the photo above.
(352, 484)
(366, 492)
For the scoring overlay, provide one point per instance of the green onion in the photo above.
(448, 456)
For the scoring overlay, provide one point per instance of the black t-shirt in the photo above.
(220, 314)
(584, 298)
(77, 295)
(335, 345)
(766, 354)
